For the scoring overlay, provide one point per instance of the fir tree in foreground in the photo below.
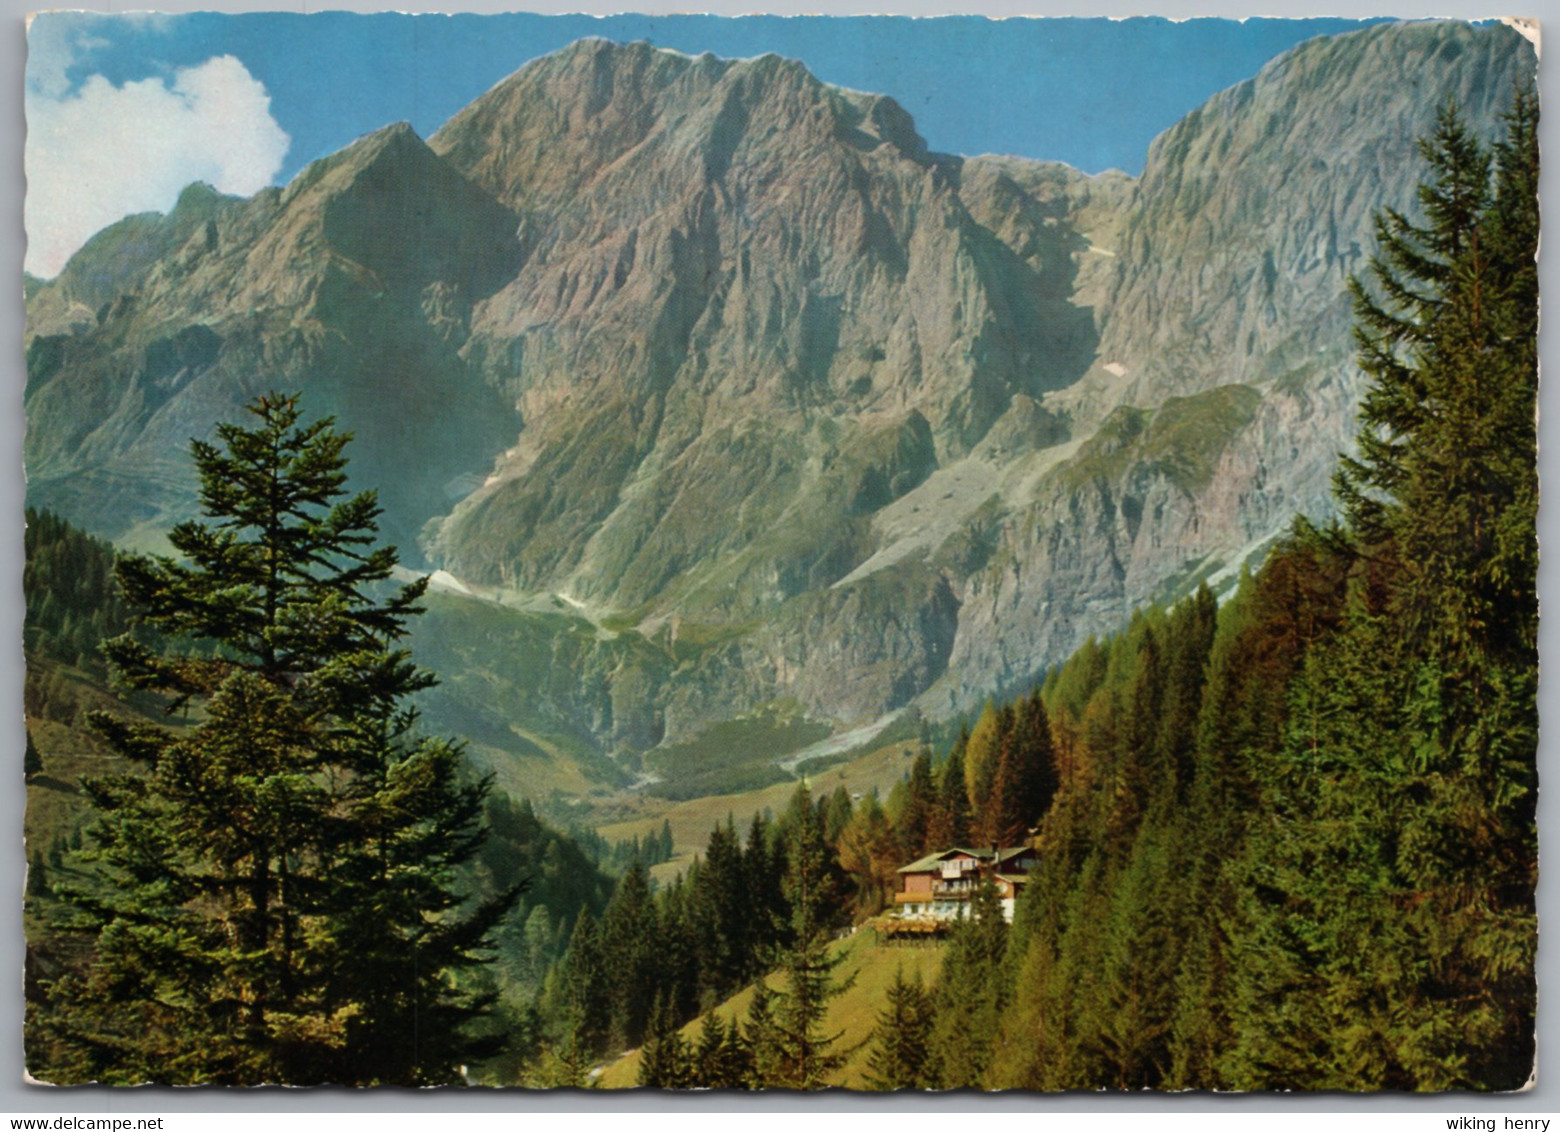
(274, 897)
(1405, 784)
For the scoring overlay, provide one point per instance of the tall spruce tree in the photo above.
(721, 913)
(1025, 779)
(970, 992)
(763, 1066)
(802, 1055)
(901, 1056)
(579, 997)
(914, 822)
(276, 899)
(32, 761)
(720, 1058)
(949, 824)
(1132, 988)
(1406, 776)
(666, 1061)
(631, 946)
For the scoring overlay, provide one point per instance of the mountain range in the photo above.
(710, 391)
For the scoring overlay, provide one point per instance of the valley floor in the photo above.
(639, 815)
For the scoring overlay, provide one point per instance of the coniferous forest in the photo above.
(1286, 834)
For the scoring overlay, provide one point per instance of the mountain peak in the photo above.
(551, 129)
(395, 144)
(199, 197)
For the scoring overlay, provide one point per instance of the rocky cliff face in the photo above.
(788, 407)
(1253, 211)
(1224, 313)
(737, 277)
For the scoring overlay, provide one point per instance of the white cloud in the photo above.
(55, 40)
(105, 152)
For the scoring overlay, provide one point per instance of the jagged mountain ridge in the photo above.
(727, 356)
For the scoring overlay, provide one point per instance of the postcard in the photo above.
(694, 552)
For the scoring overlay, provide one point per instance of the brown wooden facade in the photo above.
(939, 886)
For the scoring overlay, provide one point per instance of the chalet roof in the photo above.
(931, 860)
(1015, 879)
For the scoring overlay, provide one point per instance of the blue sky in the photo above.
(125, 109)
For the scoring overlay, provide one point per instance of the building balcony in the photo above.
(941, 890)
(954, 889)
